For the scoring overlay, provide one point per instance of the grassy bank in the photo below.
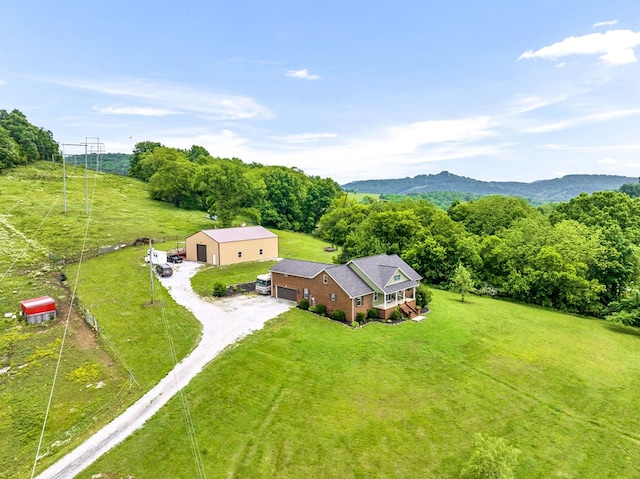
(307, 397)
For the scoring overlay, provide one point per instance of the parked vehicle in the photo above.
(263, 283)
(174, 258)
(155, 256)
(164, 270)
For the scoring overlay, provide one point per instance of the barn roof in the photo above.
(241, 233)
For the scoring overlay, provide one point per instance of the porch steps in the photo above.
(408, 310)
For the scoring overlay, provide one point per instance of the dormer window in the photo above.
(397, 277)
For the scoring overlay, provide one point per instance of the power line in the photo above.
(64, 335)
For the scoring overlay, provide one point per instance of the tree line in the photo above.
(580, 256)
(232, 191)
(22, 143)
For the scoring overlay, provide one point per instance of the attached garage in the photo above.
(286, 293)
(38, 310)
(222, 246)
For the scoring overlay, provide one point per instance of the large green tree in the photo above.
(22, 143)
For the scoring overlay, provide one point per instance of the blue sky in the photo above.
(493, 90)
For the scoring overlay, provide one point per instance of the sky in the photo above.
(498, 90)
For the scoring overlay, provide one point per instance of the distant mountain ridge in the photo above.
(537, 192)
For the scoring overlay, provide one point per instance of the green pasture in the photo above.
(308, 397)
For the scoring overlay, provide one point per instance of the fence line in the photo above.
(89, 318)
(100, 250)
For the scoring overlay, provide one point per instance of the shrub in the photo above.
(321, 309)
(423, 295)
(396, 315)
(355, 324)
(304, 305)
(373, 313)
(492, 457)
(219, 289)
(338, 315)
(361, 318)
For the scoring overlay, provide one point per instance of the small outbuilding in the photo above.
(38, 310)
(222, 246)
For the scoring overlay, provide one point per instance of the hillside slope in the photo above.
(543, 191)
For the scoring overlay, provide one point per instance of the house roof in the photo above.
(349, 281)
(241, 233)
(379, 270)
(296, 267)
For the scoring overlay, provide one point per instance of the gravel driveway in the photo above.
(223, 323)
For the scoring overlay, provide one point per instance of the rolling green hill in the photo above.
(305, 397)
(537, 192)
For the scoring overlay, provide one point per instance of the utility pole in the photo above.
(151, 269)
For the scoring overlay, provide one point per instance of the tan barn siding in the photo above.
(195, 239)
(227, 253)
(250, 250)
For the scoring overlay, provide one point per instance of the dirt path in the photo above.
(223, 323)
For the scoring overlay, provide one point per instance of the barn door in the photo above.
(202, 253)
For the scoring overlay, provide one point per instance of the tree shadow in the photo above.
(628, 330)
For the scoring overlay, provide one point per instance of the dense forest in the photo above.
(537, 192)
(581, 255)
(231, 190)
(22, 143)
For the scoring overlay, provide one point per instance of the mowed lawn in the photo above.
(307, 397)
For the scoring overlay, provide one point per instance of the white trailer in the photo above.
(263, 283)
(157, 257)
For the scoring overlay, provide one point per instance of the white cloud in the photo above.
(609, 160)
(594, 148)
(302, 74)
(175, 98)
(605, 23)
(592, 118)
(134, 110)
(615, 47)
(306, 137)
(527, 103)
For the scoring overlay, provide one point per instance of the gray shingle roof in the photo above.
(379, 270)
(349, 281)
(296, 267)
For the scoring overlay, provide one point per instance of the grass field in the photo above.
(307, 397)
(92, 384)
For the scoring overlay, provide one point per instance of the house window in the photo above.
(390, 297)
(325, 279)
(260, 252)
(239, 254)
(333, 296)
(375, 296)
(306, 293)
(397, 277)
(359, 301)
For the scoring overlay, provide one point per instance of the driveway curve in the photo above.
(223, 323)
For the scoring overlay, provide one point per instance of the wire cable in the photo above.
(66, 329)
(191, 431)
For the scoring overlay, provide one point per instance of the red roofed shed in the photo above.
(37, 310)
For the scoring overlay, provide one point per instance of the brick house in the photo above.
(383, 282)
